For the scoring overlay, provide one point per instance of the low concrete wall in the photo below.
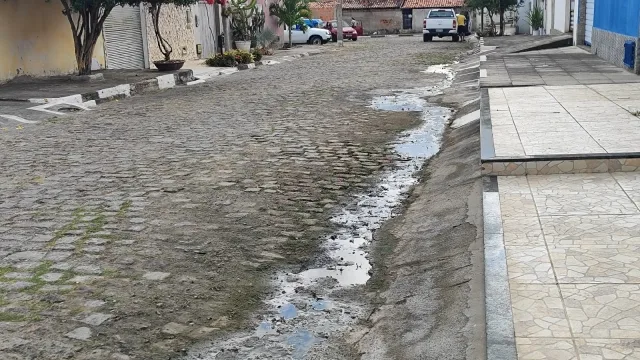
(36, 40)
(386, 21)
(418, 18)
(325, 13)
(176, 25)
(610, 46)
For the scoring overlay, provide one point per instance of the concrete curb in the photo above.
(182, 77)
(201, 79)
(501, 344)
(120, 91)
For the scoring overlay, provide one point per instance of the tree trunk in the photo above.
(290, 38)
(501, 22)
(163, 44)
(86, 27)
(482, 20)
(84, 57)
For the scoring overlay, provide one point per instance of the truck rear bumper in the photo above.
(440, 33)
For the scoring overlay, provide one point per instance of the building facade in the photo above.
(605, 26)
(415, 11)
(384, 16)
(36, 40)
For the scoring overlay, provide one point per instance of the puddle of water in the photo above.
(304, 311)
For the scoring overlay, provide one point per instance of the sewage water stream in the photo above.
(307, 308)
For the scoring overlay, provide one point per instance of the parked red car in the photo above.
(347, 31)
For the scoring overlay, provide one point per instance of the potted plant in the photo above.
(535, 18)
(242, 12)
(166, 64)
(290, 13)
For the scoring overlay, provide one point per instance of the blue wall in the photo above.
(618, 16)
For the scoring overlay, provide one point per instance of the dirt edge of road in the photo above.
(427, 287)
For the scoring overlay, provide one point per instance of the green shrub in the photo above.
(257, 55)
(243, 57)
(230, 59)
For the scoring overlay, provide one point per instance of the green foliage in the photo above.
(257, 55)
(266, 38)
(290, 13)
(230, 59)
(494, 6)
(535, 17)
(242, 12)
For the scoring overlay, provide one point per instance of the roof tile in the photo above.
(422, 4)
(371, 4)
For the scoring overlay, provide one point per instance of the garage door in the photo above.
(588, 26)
(123, 38)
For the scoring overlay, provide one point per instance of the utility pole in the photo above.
(225, 27)
(339, 22)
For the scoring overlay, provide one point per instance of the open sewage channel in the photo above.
(307, 308)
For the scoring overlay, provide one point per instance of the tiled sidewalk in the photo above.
(540, 120)
(573, 262)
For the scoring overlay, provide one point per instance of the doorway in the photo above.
(407, 19)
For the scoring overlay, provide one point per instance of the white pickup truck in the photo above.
(440, 23)
(313, 36)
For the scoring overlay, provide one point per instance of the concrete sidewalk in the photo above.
(563, 66)
(33, 89)
(572, 264)
(562, 233)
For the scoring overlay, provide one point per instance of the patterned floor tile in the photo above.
(603, 311)
(545, 349)
(608, 349)
(584, 202)
(545, 184)
(591, 229)
(529, 265)
(596, 263)
(517, 205)
(513, 184)
(522, 231)
(538, 311)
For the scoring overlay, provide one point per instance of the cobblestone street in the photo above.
(140, 228)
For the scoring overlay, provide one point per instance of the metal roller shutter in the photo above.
(123, 38)
(588, 26)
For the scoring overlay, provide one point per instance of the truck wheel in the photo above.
(315, 40)
(427, 38)
(455, 38)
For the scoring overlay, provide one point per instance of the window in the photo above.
(441, 14)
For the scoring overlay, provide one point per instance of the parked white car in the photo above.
(312, 36)
(440, 23)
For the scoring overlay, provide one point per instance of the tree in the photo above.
(290, 13)
(493, 7)
(502, 6)
(154, 9)
(86, 18)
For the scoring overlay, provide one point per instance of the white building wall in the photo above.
(562, 15)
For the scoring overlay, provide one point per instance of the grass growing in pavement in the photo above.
(95, 226)
(73, 225)
(10, 317)
(435, 58)
(124, 208)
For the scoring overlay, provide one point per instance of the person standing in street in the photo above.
(353, 22)
(462, 26)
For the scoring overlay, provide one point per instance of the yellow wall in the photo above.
(35, 40)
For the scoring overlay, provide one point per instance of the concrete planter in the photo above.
(243, 45)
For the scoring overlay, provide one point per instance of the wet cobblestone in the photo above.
(137, 228)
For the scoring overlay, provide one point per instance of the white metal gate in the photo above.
(124, 47)
(588, 26)
(206, 29)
